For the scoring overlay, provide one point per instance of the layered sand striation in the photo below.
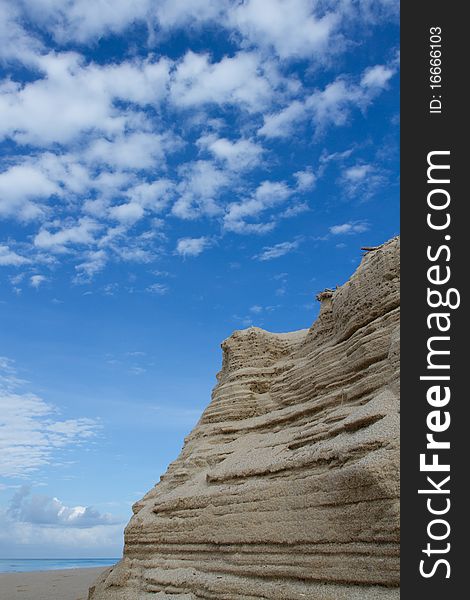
(288, 487)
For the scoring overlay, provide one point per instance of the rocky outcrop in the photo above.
(288, 487)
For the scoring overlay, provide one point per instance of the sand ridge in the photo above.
(288, 487)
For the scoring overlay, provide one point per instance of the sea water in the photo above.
(15, 565)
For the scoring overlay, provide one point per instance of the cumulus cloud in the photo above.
(377, 77)
(305, 179)
(17, 45)
(137, 150)
(153, 195)
(238, 154)
(85, 21)
(237, 80)
(332, 105)
(281, 124)
(362, 180)
(32, 432)
(129, 212)
(37, 280)
(102, 146)
(201, 183)
(267, 195)
(81, 233)
(44, 510)
(21, 186)
(42, 525)
(349, 228)
(276, 251)
(74, 98)
(20, 538)
(192, 246)
(288, 26)
(10, 258)
(171, 14)
(315, 23)
(357, 173)
(94, 262)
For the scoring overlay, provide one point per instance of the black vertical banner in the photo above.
(435, 359)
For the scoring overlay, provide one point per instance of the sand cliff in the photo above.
(288, 487)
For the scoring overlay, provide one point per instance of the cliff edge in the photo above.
(288, 487)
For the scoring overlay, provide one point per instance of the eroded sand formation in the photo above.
(288, 487)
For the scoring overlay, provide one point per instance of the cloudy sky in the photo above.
(171, 170)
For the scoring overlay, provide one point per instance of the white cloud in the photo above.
(9, 379)
(65, 170)
(281, 124)
(326, 157)
(10, 258)
(291, 28)
(238, 155)
(192, 246)
(134, 252)
(238, 80)
(295, 209)
(93, 140)
(131, 151)
(276, 251)
(20, 186)
(199, 188)
(267, 195)
(44, 510)
(37, 280)
(32, 434)
(160, 289)
(130, 212)
(95, 261)
(16, 44)
(85, 21)
(370, 12)
(74, 98)
(173, 14)
(332, 105)
(377, 77)
(105, 242)
(258, 310)
(154, 195)
(357, 172)
(81, 233)
(287, 26)
(39, 525)
(305, 179)
(362, 181)
(349, 228)
(22, 538)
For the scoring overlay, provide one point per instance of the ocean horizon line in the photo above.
(25, 565)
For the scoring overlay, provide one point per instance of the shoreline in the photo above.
(56, 584)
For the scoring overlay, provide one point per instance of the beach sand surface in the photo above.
(63, 584)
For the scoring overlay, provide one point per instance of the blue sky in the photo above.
(170, 171)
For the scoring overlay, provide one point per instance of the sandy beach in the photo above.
(64, 584)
